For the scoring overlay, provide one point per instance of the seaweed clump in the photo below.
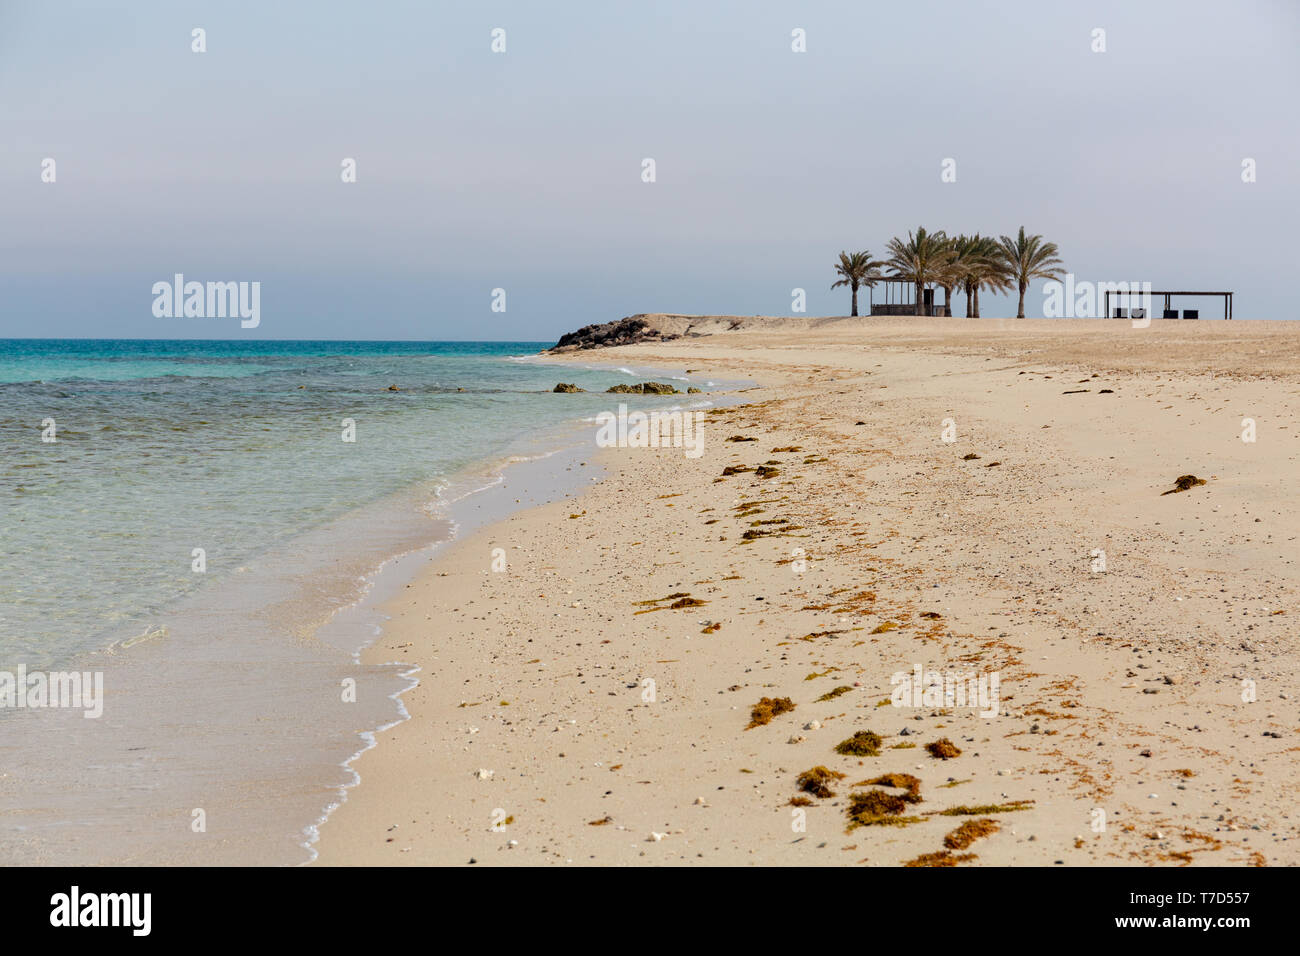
(943, 749)
(817, 781)
(969, 832)
(985, 809)
(864, 743)
(901, 781)
(942, 858)
(1183, 483)
(675, 602)
(877, 808)
(767, 708)
(832, 694)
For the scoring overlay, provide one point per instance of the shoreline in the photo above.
(314, 624)
(396, 572)
(1070, 745)
(535, 472)
(534, 475)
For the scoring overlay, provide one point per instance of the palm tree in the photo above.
(856, 270)
(1028, 258)
(960, 251)
(921, 259)
(982, 267)
(951, 272)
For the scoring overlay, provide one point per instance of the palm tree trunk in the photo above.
(977, 302)
(947, 300)
(1020, 312)
(855, 301)
(920, 298)
(968, 291)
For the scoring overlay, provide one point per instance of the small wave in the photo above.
(370, 741)
(150, 633)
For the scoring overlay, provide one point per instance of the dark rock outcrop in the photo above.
(627, 331)
(566, 387)
(645, 388)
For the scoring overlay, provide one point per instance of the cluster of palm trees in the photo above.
(968, 263)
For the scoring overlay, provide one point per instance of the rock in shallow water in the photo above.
(645, 388)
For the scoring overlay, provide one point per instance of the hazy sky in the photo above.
(522, 170)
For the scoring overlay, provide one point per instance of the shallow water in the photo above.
(225, 700)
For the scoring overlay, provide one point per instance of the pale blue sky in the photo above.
(522, 170)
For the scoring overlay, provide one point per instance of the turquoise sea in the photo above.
(197, 522)
(168, 446)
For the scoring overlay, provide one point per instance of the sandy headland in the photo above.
(734, 658)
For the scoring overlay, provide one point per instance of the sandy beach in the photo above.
(982, 498)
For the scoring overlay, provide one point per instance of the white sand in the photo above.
(537, 673)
